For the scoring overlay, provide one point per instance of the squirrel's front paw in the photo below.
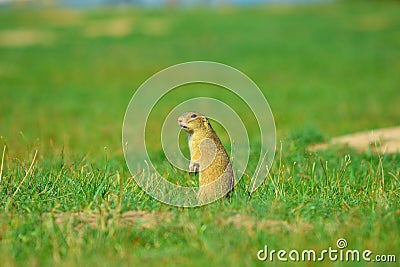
(194, 167)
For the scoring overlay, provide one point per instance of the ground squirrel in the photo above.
(208, 157)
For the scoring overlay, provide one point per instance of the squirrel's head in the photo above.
(192, 121)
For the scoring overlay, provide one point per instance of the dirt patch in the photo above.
(113, 28)
(281, 9)
(371, 23)
(250, 224)
(124, 26)
(62, 17)
(143, 219)
(156, 27)
(25, 37)
(386, 140)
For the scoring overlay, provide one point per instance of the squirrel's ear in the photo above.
(203, 118)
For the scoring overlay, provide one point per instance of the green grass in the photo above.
(325, 69)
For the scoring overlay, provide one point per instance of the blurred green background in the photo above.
(66, 75)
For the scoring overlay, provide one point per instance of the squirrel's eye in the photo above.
(193, 116)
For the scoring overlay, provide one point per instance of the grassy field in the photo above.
(66, 77)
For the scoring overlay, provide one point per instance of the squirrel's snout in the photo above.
(180, 122)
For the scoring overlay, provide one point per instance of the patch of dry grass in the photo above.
(26, 37)
(96, 219)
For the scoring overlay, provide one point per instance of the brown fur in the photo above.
(208, 157)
